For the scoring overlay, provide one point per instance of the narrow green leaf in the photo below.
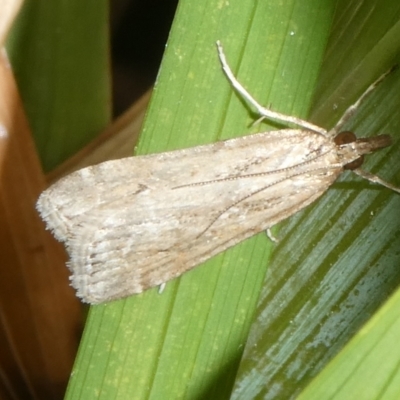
(187, 342)
(368, 367)
(338, 260)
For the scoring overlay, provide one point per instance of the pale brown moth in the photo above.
(138, 222)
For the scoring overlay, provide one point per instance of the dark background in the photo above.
(139, 32)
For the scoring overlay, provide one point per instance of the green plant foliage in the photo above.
(59, 52)
(336, 262)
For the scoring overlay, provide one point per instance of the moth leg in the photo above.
(162, 287)
(263, 111)
(258, 121)
(271, 236)
(353, 108)
(375, 179)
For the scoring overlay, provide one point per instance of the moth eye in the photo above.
(355, 164)
(345, 137)
(349, 137)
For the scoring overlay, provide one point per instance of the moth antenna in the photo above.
(353, 108)
(262, 111)
(375, 179)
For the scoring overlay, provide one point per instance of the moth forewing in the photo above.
(177, 221)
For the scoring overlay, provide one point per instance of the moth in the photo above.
(138, 222)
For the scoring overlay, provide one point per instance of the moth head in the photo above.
(361, 146)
